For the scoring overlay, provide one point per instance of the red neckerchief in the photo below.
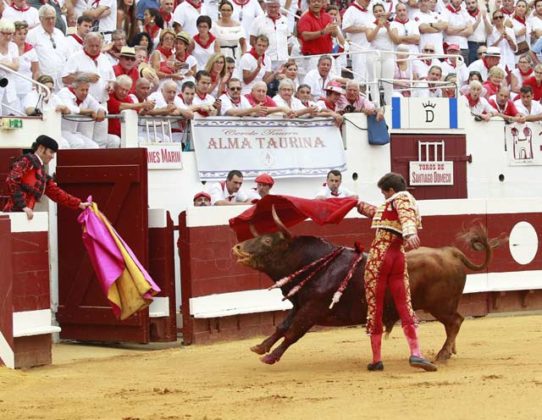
(194, 5)
(451, 8)
(92, 57)
(167, 53)
(451, 64)
(205, 45)
(402, 22)
(361, 8)
(152, 30)
(472, 102)
(475, 13)
(96, 3)
(77, 101)
(22, 9)
(167, 16)
(305, 103)
(214, 76)
(496, 105)
(274, 19)
(254, 54)
(185, 57)
(485, 63)
(328, 104)
(77, 38)
(27, 47)
(525, 74)
(506, 12)
(241, 3)
(201, 97)
(521, 20)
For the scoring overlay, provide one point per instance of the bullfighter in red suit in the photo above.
(396, 222)
(27, 180)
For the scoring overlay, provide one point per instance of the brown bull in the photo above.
(437, 279)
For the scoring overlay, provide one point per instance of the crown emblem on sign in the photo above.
(428, 104)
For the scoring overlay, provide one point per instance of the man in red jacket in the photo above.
(27, 180)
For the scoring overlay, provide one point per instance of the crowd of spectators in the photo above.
(262, 57)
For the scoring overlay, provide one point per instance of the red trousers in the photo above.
(386, 268)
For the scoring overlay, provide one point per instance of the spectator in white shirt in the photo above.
(105, 13)
(526, 106)
(256, 65)
(285, 98)
(481, 27)
(275, 27)
(29, 65)
(167, 100)
(20, 11)
(405, 30)
(187, 13)
(50, 44)
(333, 187)
(207, 104)
(503, 38)
(229, 192)
(9, 57)
(453, 65)
(492, 57)
(459, 26)
(75, 40)
(319, 77)
(431, 89)
(431, 26)
(479, 106)
(80, 102)
(233, 103)
(355, 24)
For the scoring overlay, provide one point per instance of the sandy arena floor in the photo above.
(496, 375)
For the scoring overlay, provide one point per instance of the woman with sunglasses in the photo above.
(229, 32)
(503, 38)
(164, 52)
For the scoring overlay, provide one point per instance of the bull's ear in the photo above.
(282, 228)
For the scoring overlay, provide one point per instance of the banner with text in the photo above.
(281, 147)
(523, 144)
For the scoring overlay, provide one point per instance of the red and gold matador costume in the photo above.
(27, 182)
(386, 266)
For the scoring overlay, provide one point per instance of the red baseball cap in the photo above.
(202, 194)
(453, 47)
(265, 179)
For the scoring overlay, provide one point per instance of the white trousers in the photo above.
(381, 67)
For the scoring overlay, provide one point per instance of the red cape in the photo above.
(291, 210)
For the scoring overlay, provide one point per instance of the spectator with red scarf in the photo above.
(479, 106)
(258, 97)
(523, 71)
(329, 105)
(127, 66)
(19, 11)
(494, 81)
(205, 43)
(164, 53)
(505, 107)
(492, 57)
(255, 65)
(166, 11)
(207, 104)
(535, 82)
(75, 41)
(28, 181)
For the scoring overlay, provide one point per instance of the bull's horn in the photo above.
(279, 223)
(253, 229)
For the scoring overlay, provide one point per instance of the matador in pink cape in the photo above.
(397, 222)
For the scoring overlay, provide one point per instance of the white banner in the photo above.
(281, 147)
(524, 144)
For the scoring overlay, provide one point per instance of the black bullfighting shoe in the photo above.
(375, 366)
(420, 362)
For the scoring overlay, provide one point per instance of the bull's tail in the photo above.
(478, 240)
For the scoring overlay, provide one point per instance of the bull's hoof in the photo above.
(373, 367)
(420, 362)
(258, 349)
(268, 359)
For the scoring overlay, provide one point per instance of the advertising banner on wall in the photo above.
(283, 148)
(524, 144)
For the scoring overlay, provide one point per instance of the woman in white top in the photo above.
(519, 25)
(504, 38)
(382, 38)
(29, 65)
(153, 24)
(403, 73)
(205, 43)
(229, 32)
(245, 11)
(9, 57)
(164, 53)
(523, 71)
(216, 67)
(289, 71)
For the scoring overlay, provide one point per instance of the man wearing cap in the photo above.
(202, 199)
(228, 192)
(127, 65)
(27, 180)
(264, 183)
(453, 65)
(333, 187)
(275, 27)
(491, 58)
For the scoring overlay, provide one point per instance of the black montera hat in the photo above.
(47, 142)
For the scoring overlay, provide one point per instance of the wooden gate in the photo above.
(406, 148)
(117, 181)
